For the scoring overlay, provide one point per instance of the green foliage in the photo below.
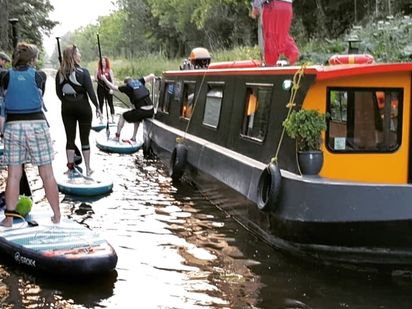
(306, 126)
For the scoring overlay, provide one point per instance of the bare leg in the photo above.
(70, 155)
(135, 129)
(50, 188)
(12, 190)
(86, 156)
(120, 125)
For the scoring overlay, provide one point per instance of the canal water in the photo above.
(177, 250)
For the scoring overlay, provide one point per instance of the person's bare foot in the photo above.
(55, 219)
(6, 222)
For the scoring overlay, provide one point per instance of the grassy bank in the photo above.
(157, 64)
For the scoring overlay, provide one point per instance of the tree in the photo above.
(33, 21)
(4, 16)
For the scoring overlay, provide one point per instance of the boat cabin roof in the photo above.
(322, 72)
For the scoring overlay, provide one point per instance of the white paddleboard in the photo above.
(67, 248)
(76, 184)
(121, 146)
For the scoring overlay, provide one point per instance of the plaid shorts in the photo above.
(27, 142)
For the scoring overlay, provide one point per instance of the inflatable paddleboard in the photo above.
(112, 146)
(77, 184)
(67, 248)
(100, 126)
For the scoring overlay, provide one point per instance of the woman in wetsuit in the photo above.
(74, 88)
(103, 92)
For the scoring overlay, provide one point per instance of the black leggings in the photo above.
(73, 112)
(103, 93)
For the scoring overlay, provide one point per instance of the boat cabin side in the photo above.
(368, 128)
(367, 136)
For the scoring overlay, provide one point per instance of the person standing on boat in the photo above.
(74, 88)
(139, 96)
(3, 60)
(277, 19)
(103, 92)
(26, 132)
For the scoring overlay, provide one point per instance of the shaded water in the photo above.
(177, 250)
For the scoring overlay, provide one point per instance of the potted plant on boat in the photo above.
(306, 126)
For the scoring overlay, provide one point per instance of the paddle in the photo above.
(78, 171)
(78, 156)
(101, 72)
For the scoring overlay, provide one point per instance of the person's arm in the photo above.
(41, 78)
(109, 84)
(149, 78)
(89, 89)
(256, 7)
(59, 88)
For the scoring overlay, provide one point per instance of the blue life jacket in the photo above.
(22, 96)
(139, 90)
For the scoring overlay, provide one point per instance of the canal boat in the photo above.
(223, 123)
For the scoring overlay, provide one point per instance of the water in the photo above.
(177, 250)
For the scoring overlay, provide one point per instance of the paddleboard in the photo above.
(67, 248)
(100, 126)
(121, 146)
(1, 148)
(77, 184)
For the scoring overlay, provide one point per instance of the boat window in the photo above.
(213, 105)
(364, 120)
(188, 100)
(256, 112)
(168, 96)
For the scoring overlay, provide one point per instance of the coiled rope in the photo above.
(297, 77)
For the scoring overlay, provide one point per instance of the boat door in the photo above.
(155, 92)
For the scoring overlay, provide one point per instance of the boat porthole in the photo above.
(269, 187)
(178, 161)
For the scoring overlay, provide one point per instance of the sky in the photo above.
(73, 14)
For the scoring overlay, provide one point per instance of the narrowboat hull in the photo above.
(223, 127)
(363, 225)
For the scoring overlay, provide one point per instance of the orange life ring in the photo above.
(235, 64)
(351, 59)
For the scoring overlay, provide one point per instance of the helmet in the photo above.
(199, 57)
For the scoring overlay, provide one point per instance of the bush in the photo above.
(306, 126)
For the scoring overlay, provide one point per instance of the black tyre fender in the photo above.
(178, 161)
(268, 189)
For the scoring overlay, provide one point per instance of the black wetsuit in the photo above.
(103, 92)
(76, 107)
(143, 107)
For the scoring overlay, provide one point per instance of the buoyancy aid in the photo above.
(139, 90)
(23, 96)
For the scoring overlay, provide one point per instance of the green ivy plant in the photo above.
(306, 126)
